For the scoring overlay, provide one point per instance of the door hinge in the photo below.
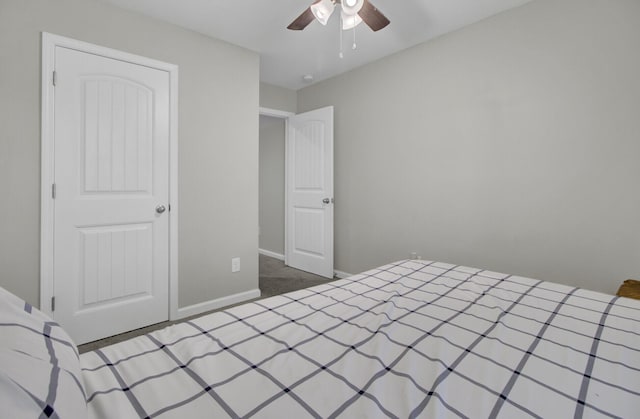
(169, 207)
(54, 78)
(53, 303)
(53, 191)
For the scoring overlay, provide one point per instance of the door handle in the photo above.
(160, 209)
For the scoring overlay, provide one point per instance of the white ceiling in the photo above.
(285, 55)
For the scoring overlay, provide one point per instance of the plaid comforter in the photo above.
(410, 339)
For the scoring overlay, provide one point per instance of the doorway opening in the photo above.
(308, 188)
(271, 200)
(275, 276)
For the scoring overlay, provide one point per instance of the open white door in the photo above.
(309, 207)
(111, 241)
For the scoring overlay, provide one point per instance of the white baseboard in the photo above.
(217, 303)
(271, 254)
(341, 274)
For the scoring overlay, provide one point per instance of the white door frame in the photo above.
(49, 44)
(283, 115)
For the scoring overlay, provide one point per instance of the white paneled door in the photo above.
(309, 238)
(111, 206)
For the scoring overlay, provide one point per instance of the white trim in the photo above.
(271, 254)
(49, 44)
(287, 153)
(46, 174)
(341, 275)
(173, 194)
(217, 303)
(275, 113)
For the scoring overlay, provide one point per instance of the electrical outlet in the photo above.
(235, 265)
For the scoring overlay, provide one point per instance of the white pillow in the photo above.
(40, 373)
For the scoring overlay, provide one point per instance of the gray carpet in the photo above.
(275, 278)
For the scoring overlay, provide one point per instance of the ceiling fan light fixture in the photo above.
(353, 12)
(322, 10)
(350, 21)
(352, 7)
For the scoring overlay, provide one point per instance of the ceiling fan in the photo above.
(353, 13)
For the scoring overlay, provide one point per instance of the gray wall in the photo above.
(278, 98)
(512, 145)
(218, 141)
(271, 202)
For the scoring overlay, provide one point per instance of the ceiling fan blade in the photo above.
(372, 16)
(303, 20)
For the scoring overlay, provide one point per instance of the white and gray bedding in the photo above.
(40, 375)
(410, 339)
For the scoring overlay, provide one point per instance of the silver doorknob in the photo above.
(160, 209)
(326, 201)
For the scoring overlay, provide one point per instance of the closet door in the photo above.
(111, 222)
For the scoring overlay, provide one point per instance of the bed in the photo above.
(408, 339)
